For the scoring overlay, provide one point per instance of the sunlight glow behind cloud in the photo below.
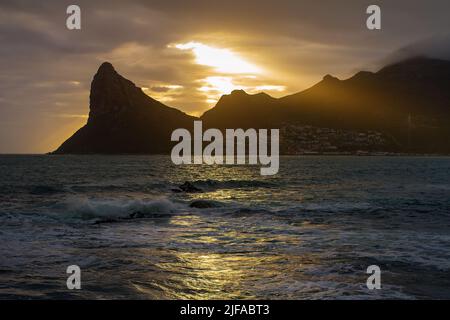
(221, 85)
(223, 60)
(216, 86)
(46, 70)
(229, 71)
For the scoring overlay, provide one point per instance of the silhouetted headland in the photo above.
(404, 107)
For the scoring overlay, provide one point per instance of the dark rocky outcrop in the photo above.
(187, 187)
(123, 119)
(204, 204)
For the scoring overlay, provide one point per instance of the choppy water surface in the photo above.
(309, 232)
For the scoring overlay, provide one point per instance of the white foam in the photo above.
(85, 208)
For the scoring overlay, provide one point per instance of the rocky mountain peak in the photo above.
(111, 93)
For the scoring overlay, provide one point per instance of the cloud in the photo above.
(222, 60)
(46, 70)
(437, 46)
(166, 88)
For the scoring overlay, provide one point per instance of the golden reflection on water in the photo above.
(223, 264)
(216, 276)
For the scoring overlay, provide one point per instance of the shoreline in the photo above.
(336, 154)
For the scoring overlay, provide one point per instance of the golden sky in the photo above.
(188, 53)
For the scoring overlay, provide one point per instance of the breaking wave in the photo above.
(116, 209)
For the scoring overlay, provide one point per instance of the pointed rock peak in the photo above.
(362, 76)
(235, 96)
(106, 68)
(238, 92)
(111, 93)
(329, 77)
(263, 97)
(263, 94)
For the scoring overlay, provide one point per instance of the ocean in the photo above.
(309, 232)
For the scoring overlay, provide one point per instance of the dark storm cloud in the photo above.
(46, 69)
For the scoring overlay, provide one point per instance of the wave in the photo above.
(83, 188)
(338, 206)
(126, 186)
(116, 209)
(35, 190)
(45, 189)
(230, 184)
(122, 209)
(120, 186)
(329, 208)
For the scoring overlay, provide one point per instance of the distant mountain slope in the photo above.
(123, 119)
(407, 104)
(418, 86)
(242, 110)
(409, 100)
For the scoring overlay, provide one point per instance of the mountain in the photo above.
(408, 100)
(404, 106)
(418, 86)
(243, 110)
(123, 119)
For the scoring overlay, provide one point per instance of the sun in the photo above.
(222, 60)
(220, 85)
(227, 71)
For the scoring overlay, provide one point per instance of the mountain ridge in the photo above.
(123, 119)
(408, 100)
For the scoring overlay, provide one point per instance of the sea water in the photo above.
(309, 232)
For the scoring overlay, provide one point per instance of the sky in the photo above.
(188, 53)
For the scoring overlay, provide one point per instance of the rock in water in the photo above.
(203, 204)
(189, 187)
